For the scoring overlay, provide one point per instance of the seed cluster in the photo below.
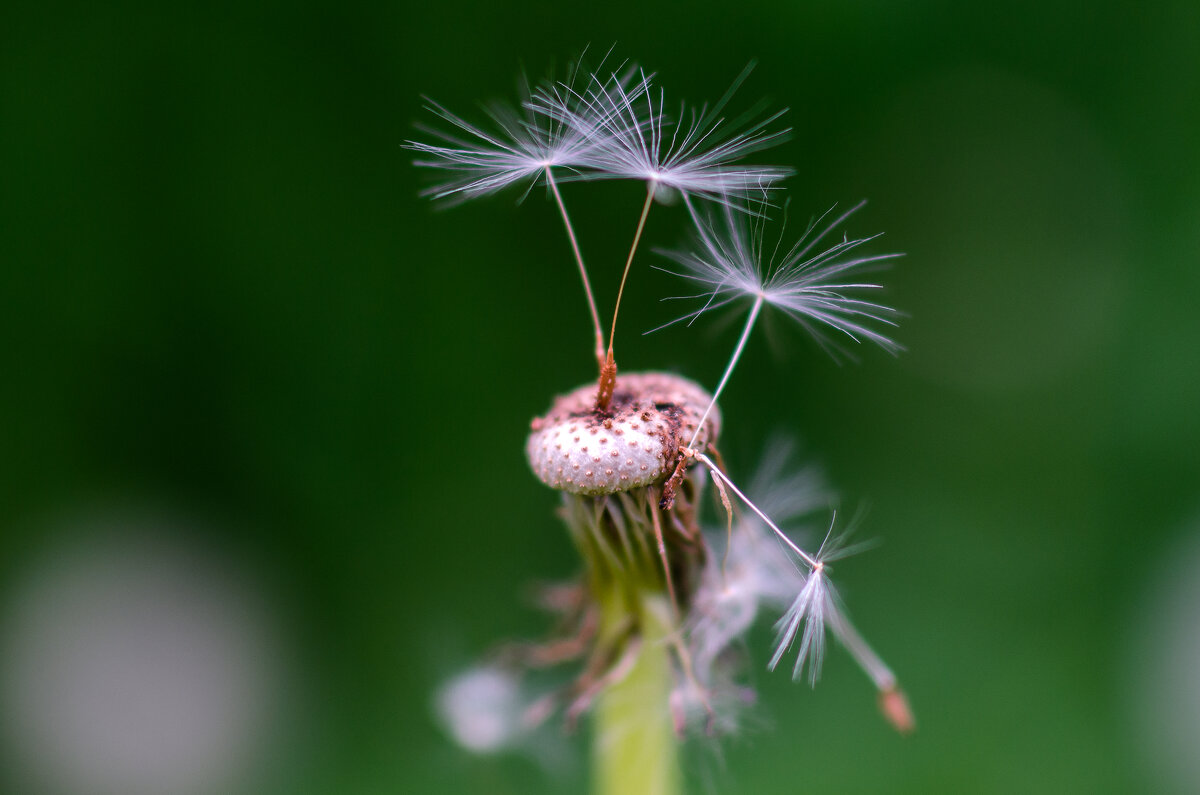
(634, 443)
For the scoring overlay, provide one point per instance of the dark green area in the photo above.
(220, 295)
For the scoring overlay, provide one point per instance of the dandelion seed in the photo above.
(816, 606)
(730, 266)
(526, 146)
(756, 572)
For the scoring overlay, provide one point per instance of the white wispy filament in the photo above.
(521, 144)
(809, 610)
(694, 154)
(729, 263)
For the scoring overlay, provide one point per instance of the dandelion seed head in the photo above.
(652, 583)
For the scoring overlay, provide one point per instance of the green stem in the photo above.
(636, 750)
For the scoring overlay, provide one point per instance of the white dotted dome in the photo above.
(635, 443)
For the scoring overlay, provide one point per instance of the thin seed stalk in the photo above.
(635, 747)
(608, 368)
(587, 285)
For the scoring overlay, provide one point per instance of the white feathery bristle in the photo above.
(518, 145)
(806, 617)
(694, 154)
(486, 161)
(729, 263)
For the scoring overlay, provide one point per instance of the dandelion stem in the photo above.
(587, 287)
(737, 354)
(635, 748)
(608, 368)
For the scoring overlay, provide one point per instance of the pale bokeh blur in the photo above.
(1163, 660)
(136, 661)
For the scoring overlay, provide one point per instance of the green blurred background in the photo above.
(230, 326)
